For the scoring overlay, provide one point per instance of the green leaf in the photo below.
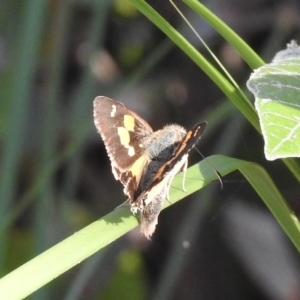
(71, 251)
(276, 88)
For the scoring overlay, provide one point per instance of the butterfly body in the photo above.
(144, 161)
(159, 147)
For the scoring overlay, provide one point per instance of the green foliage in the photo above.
(73, 250)
(276, 89)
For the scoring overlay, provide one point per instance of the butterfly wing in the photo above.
(123, 133)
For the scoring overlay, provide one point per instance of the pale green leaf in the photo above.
(276, 87)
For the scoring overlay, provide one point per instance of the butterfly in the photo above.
(144, 161)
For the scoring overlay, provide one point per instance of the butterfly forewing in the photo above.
(123, 132)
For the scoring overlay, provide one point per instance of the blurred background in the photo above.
(56, 56)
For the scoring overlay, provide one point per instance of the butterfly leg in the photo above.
(183, 169)
(168, 189)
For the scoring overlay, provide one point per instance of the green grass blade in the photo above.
(250, 57)
(238, 99)
(99, 234)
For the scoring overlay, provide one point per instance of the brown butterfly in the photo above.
(143, 160)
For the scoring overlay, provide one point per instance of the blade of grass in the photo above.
(250, 56)
(242, 103)
(97, 235)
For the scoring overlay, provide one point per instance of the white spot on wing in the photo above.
(131, 151)
(113, 111)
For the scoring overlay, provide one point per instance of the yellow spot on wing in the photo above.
(124, 136)
(125, 140)
(129, 122)
(138, 167)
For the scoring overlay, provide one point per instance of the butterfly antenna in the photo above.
(217, 173)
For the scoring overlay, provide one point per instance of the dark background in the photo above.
(55, 58)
